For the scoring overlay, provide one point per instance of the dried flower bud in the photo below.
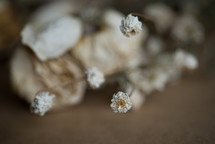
(188, 29)
(43, 102)
(149, 80)
(183, 59)
(121, 102)
(130, 25)
(162, 15)
(95, 77)
(191, 62)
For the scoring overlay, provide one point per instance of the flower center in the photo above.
(121, 103)
(133, 31)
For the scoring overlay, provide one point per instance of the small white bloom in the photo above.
(161, 14)
(42, 103)
(156, 78)
(183, 59)
(95, 77)
(149, 80)
(121, 102)
(165, 62)
(191, 62)
(130, 25)
(179, 58)
(187, 28)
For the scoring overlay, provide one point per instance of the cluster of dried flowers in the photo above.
(62, 52)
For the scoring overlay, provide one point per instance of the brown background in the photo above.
(182, 114)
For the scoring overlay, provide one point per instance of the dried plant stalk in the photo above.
(60, 76)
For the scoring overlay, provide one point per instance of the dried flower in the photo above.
(183, 59)
(165, 62)
(52, 39)
(130, 25)
(95, 77)
(187, 28)
(149, 80)
(161, 14)
(191, 62)
(121, 102)
(43, 102)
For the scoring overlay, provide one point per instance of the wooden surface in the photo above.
(181, 114)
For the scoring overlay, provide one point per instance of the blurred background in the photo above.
(184, 113)
(15, 13)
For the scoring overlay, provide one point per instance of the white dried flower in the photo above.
(183, 59)
(187, 28)
(53, 38)
(179, 59)
(165, 62)
(150, 79)
(156, 78)
(161, 14)
(130, 25)
(121, 102)
(191, 62)
(42, 103)
(95, 77)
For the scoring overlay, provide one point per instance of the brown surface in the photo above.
(182, 114)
